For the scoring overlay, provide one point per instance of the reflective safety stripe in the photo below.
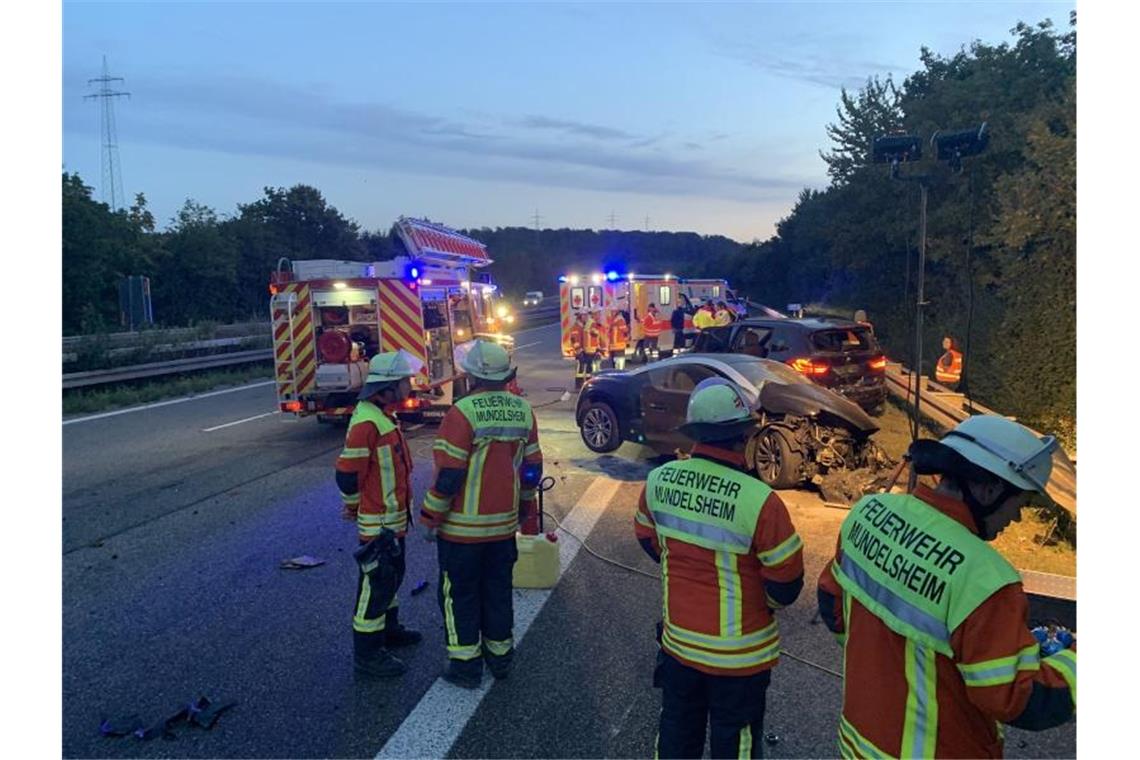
(726, 660)
(531, 448)
(920, 724)
(1001, 670)
(499, 648)
(1065, 663)
(360, 621)
(745, 751)
(354, 453)
(450, 450)
(449, 613)
(435, 503)
(386, 520)
(474, 483)
(861, 746)
(708, 641)
(640, 518)
(502, 433)
(490, 531)
(350, 498)
(725, 538)
(728, 583)
(387, 478)
(464, 651)
(895, 604)
(775, 556)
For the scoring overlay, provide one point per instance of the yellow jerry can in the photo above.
(537, 566)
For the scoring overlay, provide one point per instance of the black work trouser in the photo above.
(732, 706)
(678, 340)
(372, 613)
(475, 595)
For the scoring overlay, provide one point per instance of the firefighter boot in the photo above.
(396, 635)
(499, 665)
(465, 674)
(372, 659)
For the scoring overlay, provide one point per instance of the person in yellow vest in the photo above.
(374, 476)
(948, 370)
(488, 465)
(705, 316)
(721, 315)
(619, 339)
(931, 615)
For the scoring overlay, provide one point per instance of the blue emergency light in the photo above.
(611, 275)
(562, 278)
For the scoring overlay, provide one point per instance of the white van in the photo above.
(532, 298)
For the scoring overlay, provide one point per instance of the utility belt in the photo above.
(377, 560)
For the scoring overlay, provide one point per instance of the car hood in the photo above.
(812, 401)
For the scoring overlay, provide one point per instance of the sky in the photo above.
(701, 117)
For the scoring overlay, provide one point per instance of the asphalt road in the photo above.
(177, 516)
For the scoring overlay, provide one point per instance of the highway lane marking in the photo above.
(238, 422)
(433, 725)
(157, 404)
(536, 329)
(528, 345)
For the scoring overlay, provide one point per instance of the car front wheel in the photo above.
(599, 428)
(775, 461)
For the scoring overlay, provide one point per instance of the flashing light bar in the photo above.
(611, 275)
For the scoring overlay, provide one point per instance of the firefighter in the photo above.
(729, 555)
(373, 474)
(596, 339)
(948, 370)
(705, 317)
(721, 315)
(933, 616)
(651, 326)
(488, 467)
(619, 339)
(578, 347)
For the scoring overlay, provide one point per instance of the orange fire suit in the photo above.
(943, 706)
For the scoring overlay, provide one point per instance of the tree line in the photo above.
(1001, 242)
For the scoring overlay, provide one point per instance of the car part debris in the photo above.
(202, 712)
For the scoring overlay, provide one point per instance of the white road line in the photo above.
(528, 345)
(535, 329)
(155, 405)
(432, 727)
(238, 422)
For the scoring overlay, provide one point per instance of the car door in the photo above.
(664, 401)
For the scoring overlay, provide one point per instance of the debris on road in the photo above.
(303, 562)
(122, 726)
(202, 712)
(420, 587)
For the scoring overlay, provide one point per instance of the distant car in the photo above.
(532, 298)
(802, 430)
(838, 354)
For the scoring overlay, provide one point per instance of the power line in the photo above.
(647, 223)
(112, 189)
(613, 221)
(537, 221)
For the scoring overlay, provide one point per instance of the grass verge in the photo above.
(120, 395)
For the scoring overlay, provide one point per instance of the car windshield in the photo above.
(765, 370)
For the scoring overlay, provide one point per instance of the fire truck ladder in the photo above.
(282, 307)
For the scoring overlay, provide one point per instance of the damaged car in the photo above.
(805, 433)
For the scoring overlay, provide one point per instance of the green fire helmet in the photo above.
(487, 361)
(1005, 448)
(719, 410)
(387, 368)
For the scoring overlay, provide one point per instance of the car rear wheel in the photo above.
(775, 461)
(599, 428)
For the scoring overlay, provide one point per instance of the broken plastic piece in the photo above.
(121, 726)
(420, 587)
(205, 713)
(303, 562)
(772, 737)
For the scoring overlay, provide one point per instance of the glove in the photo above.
(348, 514)
(1052, 638)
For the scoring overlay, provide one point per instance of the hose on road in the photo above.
(655, 576)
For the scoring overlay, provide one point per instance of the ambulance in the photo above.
(330, 317)
(630, 294)
(697, 291)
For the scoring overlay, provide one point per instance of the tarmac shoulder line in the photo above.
(433, 725)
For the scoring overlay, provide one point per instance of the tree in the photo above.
(875, 110)
(198, 271)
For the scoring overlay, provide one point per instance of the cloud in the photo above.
(575, 128)
(829, 61)
(247, 117)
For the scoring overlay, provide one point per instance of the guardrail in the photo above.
(158, 369)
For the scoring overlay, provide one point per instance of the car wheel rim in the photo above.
(597, 428)
(768, 460)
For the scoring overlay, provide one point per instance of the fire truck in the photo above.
(330, 317)
(630, 294)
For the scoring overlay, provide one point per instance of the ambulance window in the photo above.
(596, 297)
(577, 298)
(716, 291)
(665, 295)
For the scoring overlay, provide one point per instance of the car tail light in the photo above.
(411, 403)
(808, 367)
(291, 406)
(879, 363)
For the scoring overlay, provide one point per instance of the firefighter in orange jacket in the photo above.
(948, 370)
(651, 326)
(729, 555)
(374, 476)
(934, 618)
(578, 332)
(619, 339)
(488, 467)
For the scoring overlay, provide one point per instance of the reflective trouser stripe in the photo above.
(455, 650)
(745, 743)
(499, 648)
(920, 726)
(360, 621)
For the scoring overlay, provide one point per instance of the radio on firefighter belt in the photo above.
(377, 560)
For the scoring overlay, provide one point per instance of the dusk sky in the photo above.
(698, 116)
